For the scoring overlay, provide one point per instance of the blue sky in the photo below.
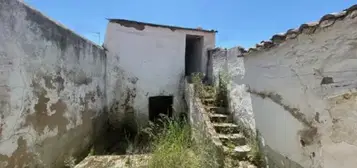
(238, 22)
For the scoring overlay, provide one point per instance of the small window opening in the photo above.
(160, 105)
(193, 54)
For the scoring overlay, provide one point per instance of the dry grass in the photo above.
(174, 148)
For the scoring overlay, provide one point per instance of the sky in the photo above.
(238, 22)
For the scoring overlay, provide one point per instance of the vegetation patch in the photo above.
(173, 147)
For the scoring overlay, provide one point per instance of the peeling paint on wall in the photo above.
(41, 119)
(342, 111)
(20, 157)
(160, 53)
(136, 26)
(308, 136)
(52, 90)
(302, 92)
(79, 77)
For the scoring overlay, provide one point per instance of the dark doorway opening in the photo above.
(160, 105)
(193, 54)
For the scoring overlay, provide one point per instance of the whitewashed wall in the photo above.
(303, 118)
(52, 90)
(227, 63)
(300, 94)
(144, 62)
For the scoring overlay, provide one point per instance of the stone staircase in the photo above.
(235, 146)
(115, 161)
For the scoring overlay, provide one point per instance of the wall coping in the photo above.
(306, 28)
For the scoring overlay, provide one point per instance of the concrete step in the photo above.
(215, 109)
(122, 161)
(208, 95)
(208, 101)
(232, 139)
(214, 117)
(231, 162)
(238, 152)
(226, 128)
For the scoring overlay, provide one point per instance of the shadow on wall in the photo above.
(54, 80)
(274, 116)
(249, 106)
(124, 134)
(297, 80)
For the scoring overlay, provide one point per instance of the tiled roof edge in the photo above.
(306, 28)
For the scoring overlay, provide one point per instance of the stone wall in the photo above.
(203, 131)
(52, 89)
(301, 87)
(226, 63)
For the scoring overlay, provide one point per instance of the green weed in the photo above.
(174, 148)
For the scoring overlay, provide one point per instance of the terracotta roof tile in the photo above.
(306, 28)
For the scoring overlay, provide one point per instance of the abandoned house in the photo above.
(60, 91)
(154, 60)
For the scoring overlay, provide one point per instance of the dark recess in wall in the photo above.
(326, 80)
(160, 105)
(193, 54)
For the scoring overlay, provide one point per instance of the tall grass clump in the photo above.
(172, 146)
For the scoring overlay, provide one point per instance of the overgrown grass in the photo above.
(174, 148)
(171, 147)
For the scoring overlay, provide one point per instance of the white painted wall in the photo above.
(148, 62)
(325, 116)
(51, 89)
(226, 62)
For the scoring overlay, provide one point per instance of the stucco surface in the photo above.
(298, 90)
(202, 129)
(303, 95)
(51, 89)
(230, 67)
(146, 61)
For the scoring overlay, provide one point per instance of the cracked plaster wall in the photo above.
(226, 63)
(145, 61)
(201, 126)
(51, 89)
(303, 95)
